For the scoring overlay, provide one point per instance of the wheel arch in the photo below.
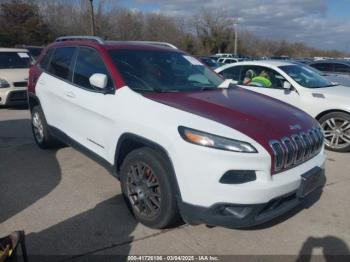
(320, 115)
(129, 142)
(33, 101)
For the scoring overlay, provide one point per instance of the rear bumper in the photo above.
(242, 215)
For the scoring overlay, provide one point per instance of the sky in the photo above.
(320, 23)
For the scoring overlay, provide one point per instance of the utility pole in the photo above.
(92, 17)
(236, 37)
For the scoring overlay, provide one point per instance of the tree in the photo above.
(214, 31)
(21, 23)
(40, 21)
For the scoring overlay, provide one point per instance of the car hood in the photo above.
(260, 117)
(338, 90)
(337, 95)
(14, 75)
(340, 79)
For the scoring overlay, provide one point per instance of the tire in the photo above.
(154, 206)
(40, 129)
(336, 130)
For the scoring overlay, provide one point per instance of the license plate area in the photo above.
(310, 181)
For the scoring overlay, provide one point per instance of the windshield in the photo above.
(14, 60)
(163, 71)
(305, 76)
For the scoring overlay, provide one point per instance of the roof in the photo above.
(267, 63)
(3, 49)
(114, 45)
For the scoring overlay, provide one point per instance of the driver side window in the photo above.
(88, 63)
(259, 76)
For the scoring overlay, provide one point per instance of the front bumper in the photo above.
(13, 96)
(199, 170)
(247, 215)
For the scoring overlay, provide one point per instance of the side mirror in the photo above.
(98, 80)
(287, 85)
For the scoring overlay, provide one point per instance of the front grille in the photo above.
(18, 96)
(20, 84)
(291, 151)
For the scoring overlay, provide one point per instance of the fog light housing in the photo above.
(238, 177)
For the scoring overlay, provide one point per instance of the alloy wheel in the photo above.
(38, 127)
(143, 190)
(336, 132)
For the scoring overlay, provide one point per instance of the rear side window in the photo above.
(45, 61)
(61, 62)
(88, 63)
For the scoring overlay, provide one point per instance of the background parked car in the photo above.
(302, 87)
(282, 57)
(334, 70)
(34, 51)
(208, 61)
(14, 65)
(229, 60)
(332, 66)
(224, 55)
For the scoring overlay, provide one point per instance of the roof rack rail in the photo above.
(157, 43)
(101, 41)
(80, 37)
(142, 42)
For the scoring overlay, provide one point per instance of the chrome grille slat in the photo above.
(278, 150)
(300, 147)
(294, 150)
(290, 152)
(308, 145)
(314, 141)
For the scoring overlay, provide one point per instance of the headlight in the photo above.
(4, 83)
(208, 140)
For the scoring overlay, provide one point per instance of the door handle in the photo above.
(70, 94)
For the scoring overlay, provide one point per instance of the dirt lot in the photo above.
(69, 205)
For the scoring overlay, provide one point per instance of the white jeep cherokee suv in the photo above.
(181, 140)
(14, 67)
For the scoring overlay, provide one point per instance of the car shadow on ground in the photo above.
(26, 173)
(333, 249)
(100, 234)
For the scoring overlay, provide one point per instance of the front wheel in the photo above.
(336, 130)
(147, 188)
